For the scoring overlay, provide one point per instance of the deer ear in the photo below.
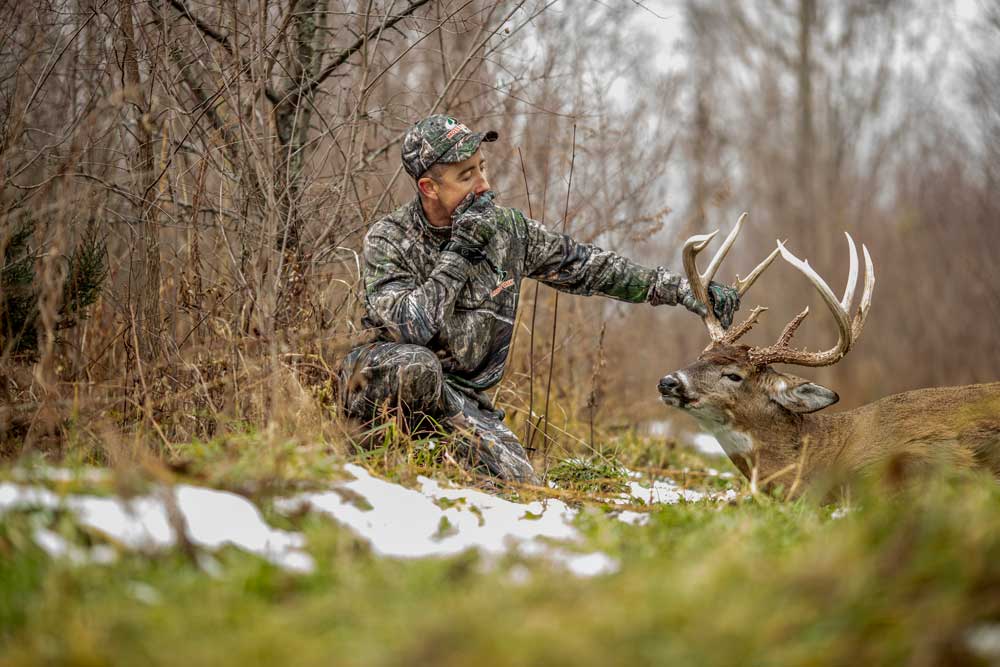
(803, 397)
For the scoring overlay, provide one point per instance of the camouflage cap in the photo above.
(440, 139)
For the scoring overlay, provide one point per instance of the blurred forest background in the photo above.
(184, 186)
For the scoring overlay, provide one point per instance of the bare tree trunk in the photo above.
(806, 147)
(703, 72)
(292, 116)
(144, 287)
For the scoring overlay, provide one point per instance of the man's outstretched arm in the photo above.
(580, 268)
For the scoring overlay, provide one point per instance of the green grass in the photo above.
(596, 475)
(901, 579)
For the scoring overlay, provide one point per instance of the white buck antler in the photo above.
(848, 330)
(699, 281)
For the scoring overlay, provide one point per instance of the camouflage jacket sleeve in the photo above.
(411, 311)
(580, 268)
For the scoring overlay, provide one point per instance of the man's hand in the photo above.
(473, 223)
(725, 302)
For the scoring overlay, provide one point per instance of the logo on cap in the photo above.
(455, 130)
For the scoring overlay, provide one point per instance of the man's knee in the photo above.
(419, 376)
(395, 373)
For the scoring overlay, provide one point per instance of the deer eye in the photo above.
(733, 376)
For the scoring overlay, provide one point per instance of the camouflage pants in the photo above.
(410, 377)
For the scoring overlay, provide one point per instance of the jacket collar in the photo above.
(437, 235)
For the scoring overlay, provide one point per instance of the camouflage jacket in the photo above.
(417, 293)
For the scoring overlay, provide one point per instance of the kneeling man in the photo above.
(442, 276)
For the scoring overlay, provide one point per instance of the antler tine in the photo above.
(866, 296)
(742, 285)
(792, 327)
(740, 330)
(698, 242)
(852, 276)
(839, 314)
(727, 245)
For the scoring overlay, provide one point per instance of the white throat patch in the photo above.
(734, 442)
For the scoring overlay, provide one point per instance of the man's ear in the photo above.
(801, 396)
(428, 187)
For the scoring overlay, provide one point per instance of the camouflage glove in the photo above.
(725, 302)
(473, 226)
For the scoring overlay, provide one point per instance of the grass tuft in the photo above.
(595, 475)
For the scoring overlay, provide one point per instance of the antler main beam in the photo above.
(848, 330)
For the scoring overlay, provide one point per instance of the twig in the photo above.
(598, 365)
(513, 336)
(555, 315)
(531, 344)
(208, 103)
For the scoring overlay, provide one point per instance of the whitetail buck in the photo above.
(764, 418)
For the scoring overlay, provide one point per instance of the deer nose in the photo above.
(669, 384)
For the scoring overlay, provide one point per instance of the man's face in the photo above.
(452, 182)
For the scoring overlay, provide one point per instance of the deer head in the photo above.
(754, 410)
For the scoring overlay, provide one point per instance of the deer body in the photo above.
(953, 425)
(772, 444)
(765, 420)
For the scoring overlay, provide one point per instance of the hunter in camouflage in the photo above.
(442, 275)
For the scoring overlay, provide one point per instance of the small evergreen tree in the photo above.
(18, 288)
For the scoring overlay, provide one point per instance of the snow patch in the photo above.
(659, 429)
(58, 548)
(433, 520)
(633, 518)
(211, 519)
(840, 513)
(666, 492)
(983, 641)
(443, 521)
(707, 444)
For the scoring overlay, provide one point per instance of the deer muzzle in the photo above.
(673, 391)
